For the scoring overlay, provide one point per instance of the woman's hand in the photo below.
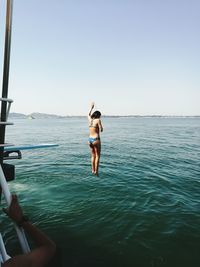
(92, 105)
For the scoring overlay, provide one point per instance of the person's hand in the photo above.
(92, 105)
(14, 211)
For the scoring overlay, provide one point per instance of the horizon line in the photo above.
(108, 115)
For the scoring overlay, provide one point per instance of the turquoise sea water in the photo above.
(143, 209)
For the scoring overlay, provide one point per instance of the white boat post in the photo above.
(20, 232)
(3, 253)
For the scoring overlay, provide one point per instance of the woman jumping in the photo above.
(95, 127)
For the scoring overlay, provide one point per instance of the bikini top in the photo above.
(91, 124)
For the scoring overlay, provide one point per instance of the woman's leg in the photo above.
(97, 149)
(93, 157)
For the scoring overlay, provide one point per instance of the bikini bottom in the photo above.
(93, 139)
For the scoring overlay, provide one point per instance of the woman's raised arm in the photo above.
(91, 108)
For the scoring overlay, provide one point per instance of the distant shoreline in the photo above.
(54, 116)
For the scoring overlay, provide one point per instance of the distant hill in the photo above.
(35, 115)
(17, 115)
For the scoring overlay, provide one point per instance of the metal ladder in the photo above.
(9, 101)
(6, 155)
(5, 123)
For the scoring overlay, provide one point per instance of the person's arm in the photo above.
(46, 248)
(90, 111)
(100, 125)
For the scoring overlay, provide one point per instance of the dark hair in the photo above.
(96, 115)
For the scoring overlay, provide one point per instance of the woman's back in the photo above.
(94, 126)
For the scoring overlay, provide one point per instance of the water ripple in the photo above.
(143, 209)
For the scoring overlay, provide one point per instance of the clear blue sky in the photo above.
(130, 57)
